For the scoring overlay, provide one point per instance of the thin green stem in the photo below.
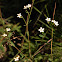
(27, 31)
(24, 20)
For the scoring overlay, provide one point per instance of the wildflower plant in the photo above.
(30, 42)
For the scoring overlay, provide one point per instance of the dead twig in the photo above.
(41, 48)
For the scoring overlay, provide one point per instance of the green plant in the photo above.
(24, 42)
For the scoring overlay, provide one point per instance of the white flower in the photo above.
(48, 19)
(8, 29)
(53, 21)
(56, 23)
(17, 58)
(19, 15)
(41, 29)
(27, 6)
(4, 35)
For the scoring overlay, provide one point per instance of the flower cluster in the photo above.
(48, 20)
(27, 6)
(55, 22)
(17, 58)
(7, 29)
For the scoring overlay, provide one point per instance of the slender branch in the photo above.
(54, 10)
(52, 31)
(41, 48)
(27, 31)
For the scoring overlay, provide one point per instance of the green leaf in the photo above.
(22, 55)
(1, 30)
(2, 48)
(12, 44)
(32, 37)
(40, 57)
(8, 19)
(32, 45)
(41, 35)
(49, 59)
(9, 34)
(16, 27)
(2, 21)
(24, 37)
(36, 59)
(45, 24)
(30, 21)
(37, 10)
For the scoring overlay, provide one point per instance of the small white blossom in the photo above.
(56, 23)
(17, 58)
(4, 35)
(53, 21)
(41, 29)
(19, 15)
(48, 19)
(27, 6)
(8, 29)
